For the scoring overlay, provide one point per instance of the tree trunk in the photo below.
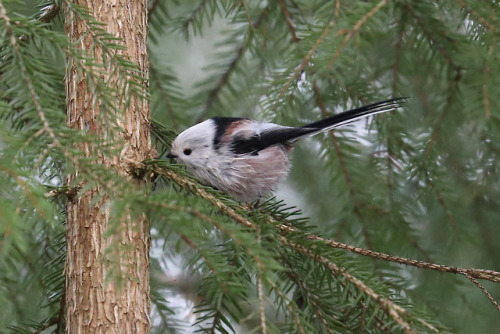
(94, 303)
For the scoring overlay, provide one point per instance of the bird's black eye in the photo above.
(187, 151)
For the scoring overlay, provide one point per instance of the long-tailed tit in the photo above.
(247, 159)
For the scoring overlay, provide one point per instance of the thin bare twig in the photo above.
(482, 288)
(489, 275)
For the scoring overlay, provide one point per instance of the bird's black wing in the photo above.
(241, 144)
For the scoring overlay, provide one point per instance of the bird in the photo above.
(247, 159)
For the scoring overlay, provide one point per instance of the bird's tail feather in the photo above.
(282, 135)
(354, 114)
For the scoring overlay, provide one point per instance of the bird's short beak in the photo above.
(171, 156)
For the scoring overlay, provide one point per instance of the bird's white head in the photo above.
(194, 146)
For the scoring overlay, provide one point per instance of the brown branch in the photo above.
(262, 314)
(489, 275)
(50, 323)
(250, 23)
(288, 20)
(392, 310)
(195, 188)
(215, 322)
(481, 287)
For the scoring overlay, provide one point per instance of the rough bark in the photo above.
(103, 295)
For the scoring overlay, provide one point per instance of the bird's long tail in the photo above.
(281, 135)
(353, 115)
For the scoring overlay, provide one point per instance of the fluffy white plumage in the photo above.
(247, 159)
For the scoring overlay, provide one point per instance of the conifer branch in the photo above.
(249, 19)
(213, 94)
(262, 314)
(48, 324)
(397, 59)
(49, 12)
(304, 62)
(288, 20)
(312, 298)
(490, 26)
(215, 322)
(486, 90)
(25, 187)
(449, 100)
(284, 227)
(27, 78)
(354, 30)
(152, 8)
(444, 205)
(164, 95)
(288, 304)
(485, 274)
(430, 37)
(226, 210)
(194, 246)
(394, 311)
(194, 14)
(345, 172)
(260, 292)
